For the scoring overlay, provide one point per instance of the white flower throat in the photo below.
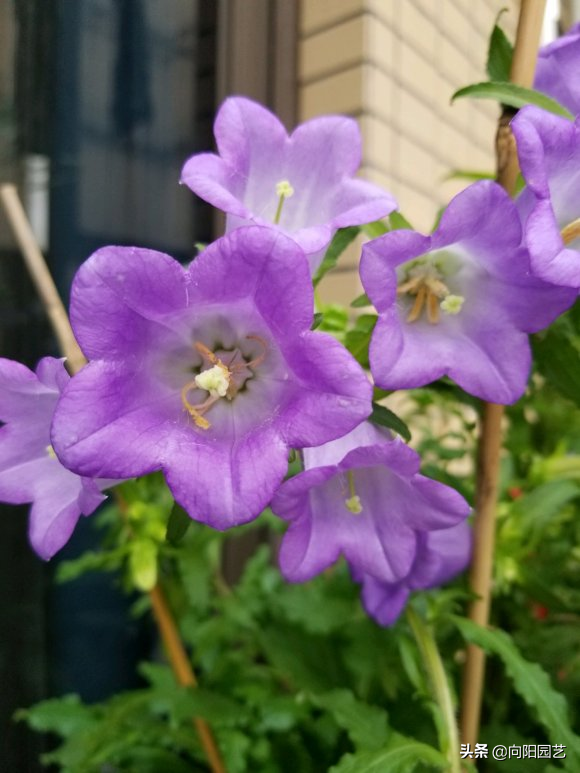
(219, 379)
(423, 281)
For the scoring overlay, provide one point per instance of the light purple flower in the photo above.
(558, 67)
(29, 469)
(549, 205)
(361, 497)
(459, 302)
(441, 555)
(209, 373)
(308, 174)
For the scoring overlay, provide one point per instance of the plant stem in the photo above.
(69, 347)
(182, 670)
(440, 686)
(522, 72)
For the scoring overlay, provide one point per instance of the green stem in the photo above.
(439, 685)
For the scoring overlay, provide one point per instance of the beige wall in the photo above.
(393, 64)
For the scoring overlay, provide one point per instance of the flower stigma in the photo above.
(219, 379)
(424, 282)
(284, 191)
(353, 503)
(452, 304)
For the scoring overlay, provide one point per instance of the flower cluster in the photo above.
(213, 372)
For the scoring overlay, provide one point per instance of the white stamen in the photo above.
(452, 304)
(354, 504)
(283, 188)
(215, 380)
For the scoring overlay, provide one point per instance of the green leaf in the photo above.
(376, 229)
(401, 755)
(178, 524)
(559, 361)
(512, 95)
(500, 53)
(384, 417)
(532, 683)
(471, 175)
(358, 338)
(367, 726)
(342, 238)
(317, 320)
(64, 716)
(397, 221)
(361, 301)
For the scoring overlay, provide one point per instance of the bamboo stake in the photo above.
(41, 276)
(69, 347)
(490, 442)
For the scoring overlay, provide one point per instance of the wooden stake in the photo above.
(41, 277)
(69, 347)
(522, 73)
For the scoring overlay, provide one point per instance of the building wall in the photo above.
(393, 65)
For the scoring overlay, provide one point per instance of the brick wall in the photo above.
(393, 64)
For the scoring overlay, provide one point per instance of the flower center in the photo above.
(352, 502)
(283, 190)
(423, 281)
(50, 452)
(219, 379)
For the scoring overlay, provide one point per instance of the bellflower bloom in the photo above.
(459, 302)
(557, 70)
(441, 555)
(29, 468)
(301, 184)
(362, 497)
(209, 373)
(549, 205)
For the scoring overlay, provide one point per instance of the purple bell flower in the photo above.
(29, 468)
(441, 555)
(557, 70)
(209, 373)
(549, 205)
(302, 184)
(459, 302)
(362, 497)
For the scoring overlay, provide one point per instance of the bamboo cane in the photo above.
(522, 73)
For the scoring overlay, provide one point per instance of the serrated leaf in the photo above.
(499, 54)
(361, 301)
(401, 755)
(384, 417)
(367, 726)
(64, 716)
(559, 361)
(512, 95)
(178, 524)
(342, 238)
(532, 683)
